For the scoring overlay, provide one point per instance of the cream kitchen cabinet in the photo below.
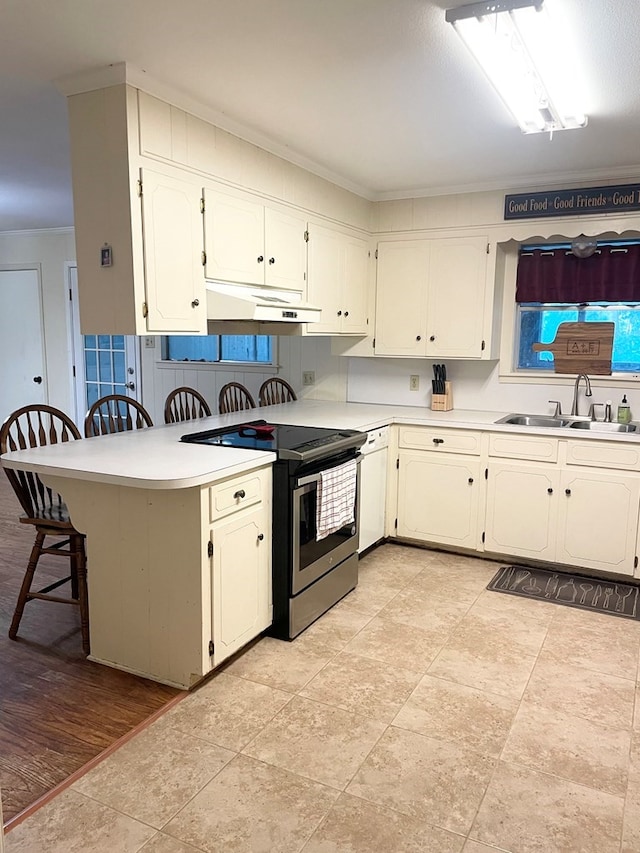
(522, 508)
(435, 297)
(439, 486)
(138, 230)
(401, 298)
(598, 520)
(249, 242)
(338, 267)
(577, 516)
(240, 561)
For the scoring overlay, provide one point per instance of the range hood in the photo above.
(256, 310)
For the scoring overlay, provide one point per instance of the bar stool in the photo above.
(185, 404)
(234, 397)
(36, 426)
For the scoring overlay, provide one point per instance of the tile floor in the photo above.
(423, 714)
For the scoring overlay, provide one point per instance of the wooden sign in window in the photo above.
(581, 348)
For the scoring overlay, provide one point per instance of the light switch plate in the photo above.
(149, 342)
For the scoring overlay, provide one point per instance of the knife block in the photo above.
(442, 402)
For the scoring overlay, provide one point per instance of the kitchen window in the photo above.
(555, 286)
(243, 349)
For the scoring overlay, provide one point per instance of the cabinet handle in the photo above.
(549, 491)
(418, 337)
(260, 258)
(240, 494)
(567, 491)
(260, 537)
(195, 303)
(339, 313)
(438, 440)
(346, 313)
(470, 481)
(432, 338)
(272, 260)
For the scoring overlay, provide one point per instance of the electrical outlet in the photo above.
(414, 383)
(149, 342)
(309, 377)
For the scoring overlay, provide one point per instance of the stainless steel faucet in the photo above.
(587, 391)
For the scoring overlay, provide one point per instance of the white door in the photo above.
(326, 274)
(24, 379)
(233, 238)
(102, 364)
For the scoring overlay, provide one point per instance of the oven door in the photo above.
(312, 558)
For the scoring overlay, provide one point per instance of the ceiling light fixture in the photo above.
(526, 59)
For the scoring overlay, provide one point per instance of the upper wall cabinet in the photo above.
(435, 297)
(338, 265)
(249, 242)
(138, 231)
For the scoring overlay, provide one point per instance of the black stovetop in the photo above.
(288, 441)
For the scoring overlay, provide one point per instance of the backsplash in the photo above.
(476, 385)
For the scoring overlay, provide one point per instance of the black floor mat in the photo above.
(618, 599)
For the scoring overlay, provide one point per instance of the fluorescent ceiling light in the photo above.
(521, 52)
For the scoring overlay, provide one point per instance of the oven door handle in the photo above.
(315, 478)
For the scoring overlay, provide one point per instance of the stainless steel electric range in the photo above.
(312, 570)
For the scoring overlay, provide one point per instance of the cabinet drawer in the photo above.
(537, 448)
(603, 454)
(233, 495)
(443, 440)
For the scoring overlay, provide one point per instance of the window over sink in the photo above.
(555, 286)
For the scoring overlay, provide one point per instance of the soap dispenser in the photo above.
(624, 411)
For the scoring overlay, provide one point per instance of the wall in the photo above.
(477, 385)
(295, 355)
(51, 249)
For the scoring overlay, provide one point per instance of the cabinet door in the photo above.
(457, 291)
(522, 502)
(598, 520)
(355, 289)
(241, 581)
(172, 233)
(286, 250)
(326, 273)
(401, 298)
(438, 498)
(234, 238)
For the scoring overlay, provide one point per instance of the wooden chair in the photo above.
(275, 390)
(115, 413)
(234, 397)
(35, 426)
(185, 404)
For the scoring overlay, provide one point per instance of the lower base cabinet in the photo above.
(240, 581)
(438, 498)
(521, 510)
(584, 518)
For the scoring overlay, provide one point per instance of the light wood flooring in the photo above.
(57, 710)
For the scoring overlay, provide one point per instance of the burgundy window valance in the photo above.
(612, 274)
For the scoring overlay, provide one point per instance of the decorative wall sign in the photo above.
(581, 348)
(572, 202)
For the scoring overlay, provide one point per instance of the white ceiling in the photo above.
(379, 95)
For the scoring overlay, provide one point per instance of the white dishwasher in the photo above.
(373, 487)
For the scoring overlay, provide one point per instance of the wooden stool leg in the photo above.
(25, 589)
(80, 561)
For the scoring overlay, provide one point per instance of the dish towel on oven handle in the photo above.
(336, 499)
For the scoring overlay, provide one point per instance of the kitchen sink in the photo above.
(601, 426)
(535, 421)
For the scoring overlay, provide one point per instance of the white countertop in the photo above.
(154, 458)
